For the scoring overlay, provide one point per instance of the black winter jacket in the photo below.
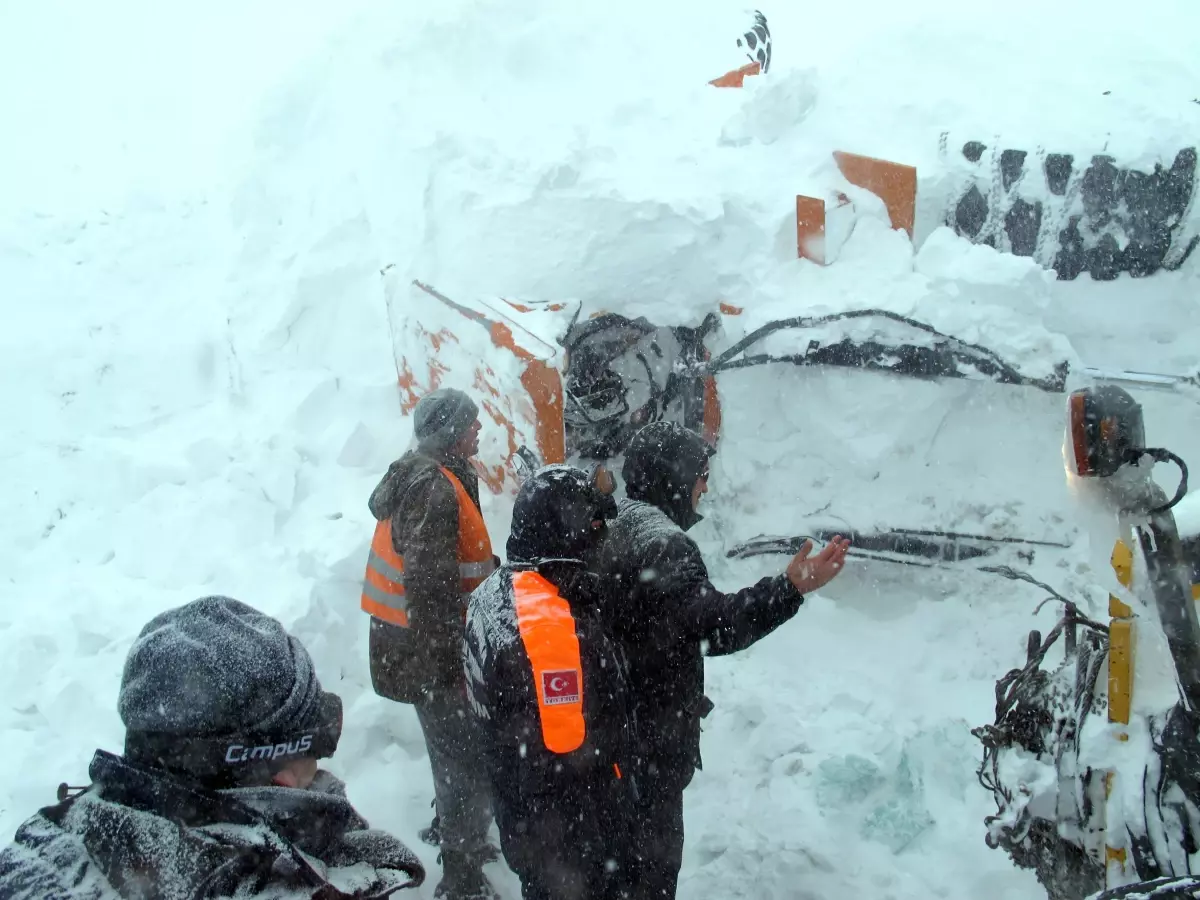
(562, 816)
(668, 615)
(139, 833)
(423, 508)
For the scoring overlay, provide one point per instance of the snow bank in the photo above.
(839, 759)
(201, 384)
(1187, 515)
(571, 157)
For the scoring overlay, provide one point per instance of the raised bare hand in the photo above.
(811, 574)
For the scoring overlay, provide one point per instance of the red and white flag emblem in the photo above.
(560, 686)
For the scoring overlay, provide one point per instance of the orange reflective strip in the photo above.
(617, 769)
(385, 613)
(382, 597)
(381, 545)
(474, 544)
(385, 568)
(383, 583)
(548, 633)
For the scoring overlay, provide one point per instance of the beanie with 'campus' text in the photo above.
(218, 691)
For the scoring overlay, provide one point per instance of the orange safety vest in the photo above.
(548, 633)
(383, 585)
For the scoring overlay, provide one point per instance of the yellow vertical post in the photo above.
(1120, 702)
(1120, 645)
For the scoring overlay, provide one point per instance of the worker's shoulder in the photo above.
(418, 470)
(414, 478)
(428, 487)
(491, 609)
(646, 528)
(629, 510)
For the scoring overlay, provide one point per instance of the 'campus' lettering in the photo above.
(238, 753)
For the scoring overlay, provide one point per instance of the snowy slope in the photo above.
(199, 379)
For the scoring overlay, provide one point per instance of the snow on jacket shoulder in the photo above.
(668, 615)
(138, 834)
(423, 509)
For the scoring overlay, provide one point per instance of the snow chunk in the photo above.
(947, 256)
(1187, 515)
(845, 780)
(775, 107)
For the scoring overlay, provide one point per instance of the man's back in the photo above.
(670, 615)
(656, 568)
(504, 696)
(548, 686)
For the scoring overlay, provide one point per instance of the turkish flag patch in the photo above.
(560, 686)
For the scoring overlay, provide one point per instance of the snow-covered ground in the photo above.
(199, 391)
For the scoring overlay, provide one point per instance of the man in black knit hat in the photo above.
(669, 616)
(219, 790)
(430, 549)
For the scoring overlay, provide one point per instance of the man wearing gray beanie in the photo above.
(218, 792)
(430, 549)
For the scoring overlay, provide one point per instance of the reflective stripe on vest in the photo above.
(475, 561)
(383, 584)
(548, 634)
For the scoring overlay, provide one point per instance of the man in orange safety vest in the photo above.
(430, 549)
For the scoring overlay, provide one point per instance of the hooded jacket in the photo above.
(563, 815)
(421, 503)
(668, 613)
(138, 833)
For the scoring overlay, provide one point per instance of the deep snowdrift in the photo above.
(199, 378)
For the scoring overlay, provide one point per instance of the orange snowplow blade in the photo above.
(544, 386)
(810, 229)
(436, 343)
(893, 183)
(819, 236)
